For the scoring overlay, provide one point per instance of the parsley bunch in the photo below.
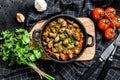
(15, 47)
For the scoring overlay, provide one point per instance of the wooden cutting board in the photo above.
(90, 28)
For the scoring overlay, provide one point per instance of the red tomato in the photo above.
(116, 21)
(110, 12)
(98, 13)
(103, 24)
(109, 33)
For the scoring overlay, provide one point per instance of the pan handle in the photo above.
(92, 43)
(34, 35)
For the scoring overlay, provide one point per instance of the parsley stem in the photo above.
(40, 72)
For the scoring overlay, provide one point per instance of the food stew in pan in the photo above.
(63, 39)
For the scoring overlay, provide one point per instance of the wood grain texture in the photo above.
(90, 28)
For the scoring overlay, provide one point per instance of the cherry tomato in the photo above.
(103, 24)
(110, 12)
(109, 33)
(98, 13)
(116, 21)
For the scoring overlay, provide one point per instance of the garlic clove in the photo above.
(20, 17)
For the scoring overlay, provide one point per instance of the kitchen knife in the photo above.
(108, 63)
(103, 57)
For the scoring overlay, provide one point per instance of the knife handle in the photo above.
(90, 71)
(105, 69)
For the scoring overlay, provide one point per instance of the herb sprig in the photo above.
(15, 47)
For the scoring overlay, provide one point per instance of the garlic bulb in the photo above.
(40, 5)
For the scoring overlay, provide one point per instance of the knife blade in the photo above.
(106, 53)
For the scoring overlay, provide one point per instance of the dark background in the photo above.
(69, 71)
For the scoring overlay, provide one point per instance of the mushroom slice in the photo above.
(65, 41)
(64, 23)
(60, 48)
(64, 51)
(60, 20)
(47, 39)
(57, 55)
(77, 51)
(75, 25)
(49, 50)
(54, 49)
(57, 39)
(81, 34)
(70, 54)
(70, 26)
(45, 34)
(56, 45)
(70, 46)
(78, 30)
(61, 30)
(63, 56)
(52, 29)
(46, 31)
(53, 23)
(76, 36)
(44, 43)
(76, 43)
(50, 44)
(62, 36)
(53, 35)
(73, 29)
(69, 21)
(69, 32)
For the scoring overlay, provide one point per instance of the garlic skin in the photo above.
(20, 17)
(40, 5)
